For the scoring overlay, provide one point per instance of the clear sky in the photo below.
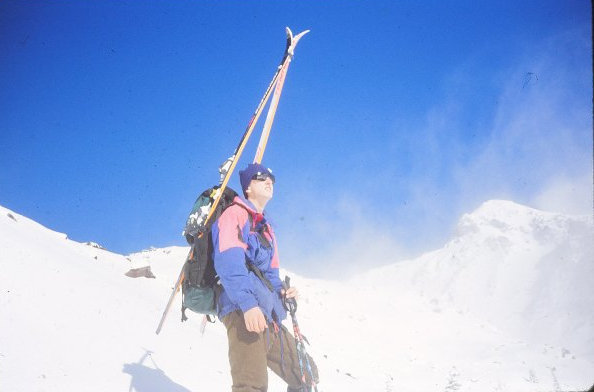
(396, 117)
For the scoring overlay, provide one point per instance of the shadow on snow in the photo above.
(148, 379)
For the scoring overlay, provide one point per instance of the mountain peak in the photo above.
(504, 209)
(504, 217)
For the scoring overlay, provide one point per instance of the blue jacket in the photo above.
(234, 244)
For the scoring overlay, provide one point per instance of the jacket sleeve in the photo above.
(228, 234)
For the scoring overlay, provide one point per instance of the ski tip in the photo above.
(298, 37)
(293, 40)
(295, 37)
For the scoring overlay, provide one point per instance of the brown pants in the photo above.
(250, 353)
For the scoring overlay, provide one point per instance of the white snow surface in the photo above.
(505, 305)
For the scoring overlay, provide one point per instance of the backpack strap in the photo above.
(260, 275)
(259, 232)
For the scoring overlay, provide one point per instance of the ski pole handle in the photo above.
(290, 304)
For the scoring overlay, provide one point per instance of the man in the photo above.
(250, 303)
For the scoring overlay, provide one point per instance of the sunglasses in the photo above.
(263, 176)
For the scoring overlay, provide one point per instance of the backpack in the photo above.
(201, 286)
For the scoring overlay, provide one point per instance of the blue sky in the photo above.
(396, 117)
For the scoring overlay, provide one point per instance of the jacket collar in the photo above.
(257, 217)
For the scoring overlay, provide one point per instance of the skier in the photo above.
(251, 300)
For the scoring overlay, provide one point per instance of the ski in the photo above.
(226, 169)
(291, 44)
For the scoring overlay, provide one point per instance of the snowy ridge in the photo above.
(510, 264)
(504, 305)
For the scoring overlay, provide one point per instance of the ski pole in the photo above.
(290, 305)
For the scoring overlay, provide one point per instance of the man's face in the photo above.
(261, 187)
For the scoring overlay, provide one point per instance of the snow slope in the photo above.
(505, 305)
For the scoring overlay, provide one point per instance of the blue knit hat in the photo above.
(246, 175)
